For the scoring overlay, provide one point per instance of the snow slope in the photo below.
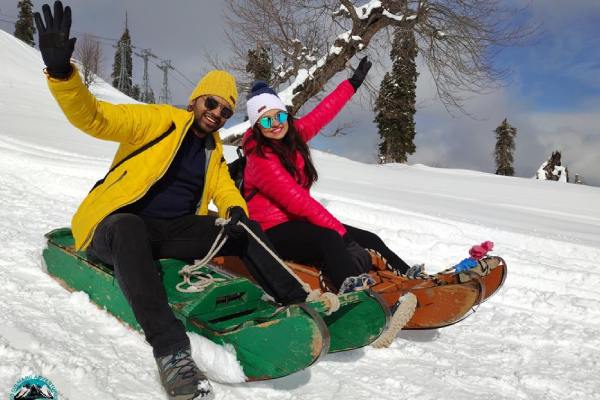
(539, 338)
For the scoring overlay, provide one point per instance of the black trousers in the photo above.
(369, 240)
(311, 244)
(131, 243)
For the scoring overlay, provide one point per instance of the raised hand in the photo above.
(55, 45)
(360, 73)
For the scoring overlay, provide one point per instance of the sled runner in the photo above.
(271, 341)
(443, 299)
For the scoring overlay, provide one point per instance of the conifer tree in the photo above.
(136, 92)
(259, 64)
(395, 105)
(150, 99)
(24, 28)
(505, 146)
(124, 43)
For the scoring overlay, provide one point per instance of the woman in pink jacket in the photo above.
(277, 180)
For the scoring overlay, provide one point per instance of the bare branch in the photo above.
(313, 40)
(340, 130)
(89, 54)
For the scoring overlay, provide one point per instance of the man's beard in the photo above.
(196, 127)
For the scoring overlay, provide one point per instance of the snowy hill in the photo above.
(539, 338)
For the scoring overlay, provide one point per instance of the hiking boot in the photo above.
(355, 283)
(402, 312)
(181, 377)
(417, 271)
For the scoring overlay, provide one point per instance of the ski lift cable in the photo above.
(186, 85)
(185, 77)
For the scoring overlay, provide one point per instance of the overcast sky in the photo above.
(552, 96)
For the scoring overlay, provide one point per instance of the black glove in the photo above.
(55, 45)
(232, 229)
(361, 257)
(360, 73)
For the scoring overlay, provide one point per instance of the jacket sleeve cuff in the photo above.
(68, 83)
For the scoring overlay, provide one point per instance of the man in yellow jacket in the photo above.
(153, 202)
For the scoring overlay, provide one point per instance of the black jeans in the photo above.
(131, 243)
(370, 240)
(311, 244)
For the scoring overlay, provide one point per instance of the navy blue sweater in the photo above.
(179, 191)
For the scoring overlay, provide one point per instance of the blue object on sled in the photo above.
(465, 265)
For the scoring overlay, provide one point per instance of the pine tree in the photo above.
(24, 28)
(260, 64)
(124, 45)
(136, 92)
(150, 99)
(395, 105)
(505, 147)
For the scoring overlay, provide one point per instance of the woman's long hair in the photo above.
(285, 149)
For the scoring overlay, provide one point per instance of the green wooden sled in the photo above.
(270, 341)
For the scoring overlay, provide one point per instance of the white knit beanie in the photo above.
(261, 99)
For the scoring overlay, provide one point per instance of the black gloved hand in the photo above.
(232, 229)
(55, 45)
(360, 73)
(361, 257)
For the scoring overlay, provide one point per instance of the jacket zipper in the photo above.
(206, 183)
(90, 235)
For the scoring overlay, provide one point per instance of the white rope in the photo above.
(331, 300)
(304, 285)
(197, 281)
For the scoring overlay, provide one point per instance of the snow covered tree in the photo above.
(395, 105)
(552, 170)
(122, 74)
(313, 40)
(24, 28)
(259, 64)
(505, 147)
(89, 54)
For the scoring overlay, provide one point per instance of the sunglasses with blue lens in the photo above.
(267, 122)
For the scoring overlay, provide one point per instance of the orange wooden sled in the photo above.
(442, 299)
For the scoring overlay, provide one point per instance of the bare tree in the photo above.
(89, 53)
(312, 40)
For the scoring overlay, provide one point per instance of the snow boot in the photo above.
(354, 283)
(402, 312)
(417, 271)
(181, 377)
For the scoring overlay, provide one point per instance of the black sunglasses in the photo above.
(210, 103)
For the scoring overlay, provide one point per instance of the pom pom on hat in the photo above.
(260, 87)
(261, 99)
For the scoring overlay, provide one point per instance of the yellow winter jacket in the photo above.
(149, 136)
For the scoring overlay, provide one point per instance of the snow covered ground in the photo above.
(539, 338)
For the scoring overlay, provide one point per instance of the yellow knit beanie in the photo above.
(217, 83)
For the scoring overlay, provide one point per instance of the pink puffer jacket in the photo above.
(280, 198)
